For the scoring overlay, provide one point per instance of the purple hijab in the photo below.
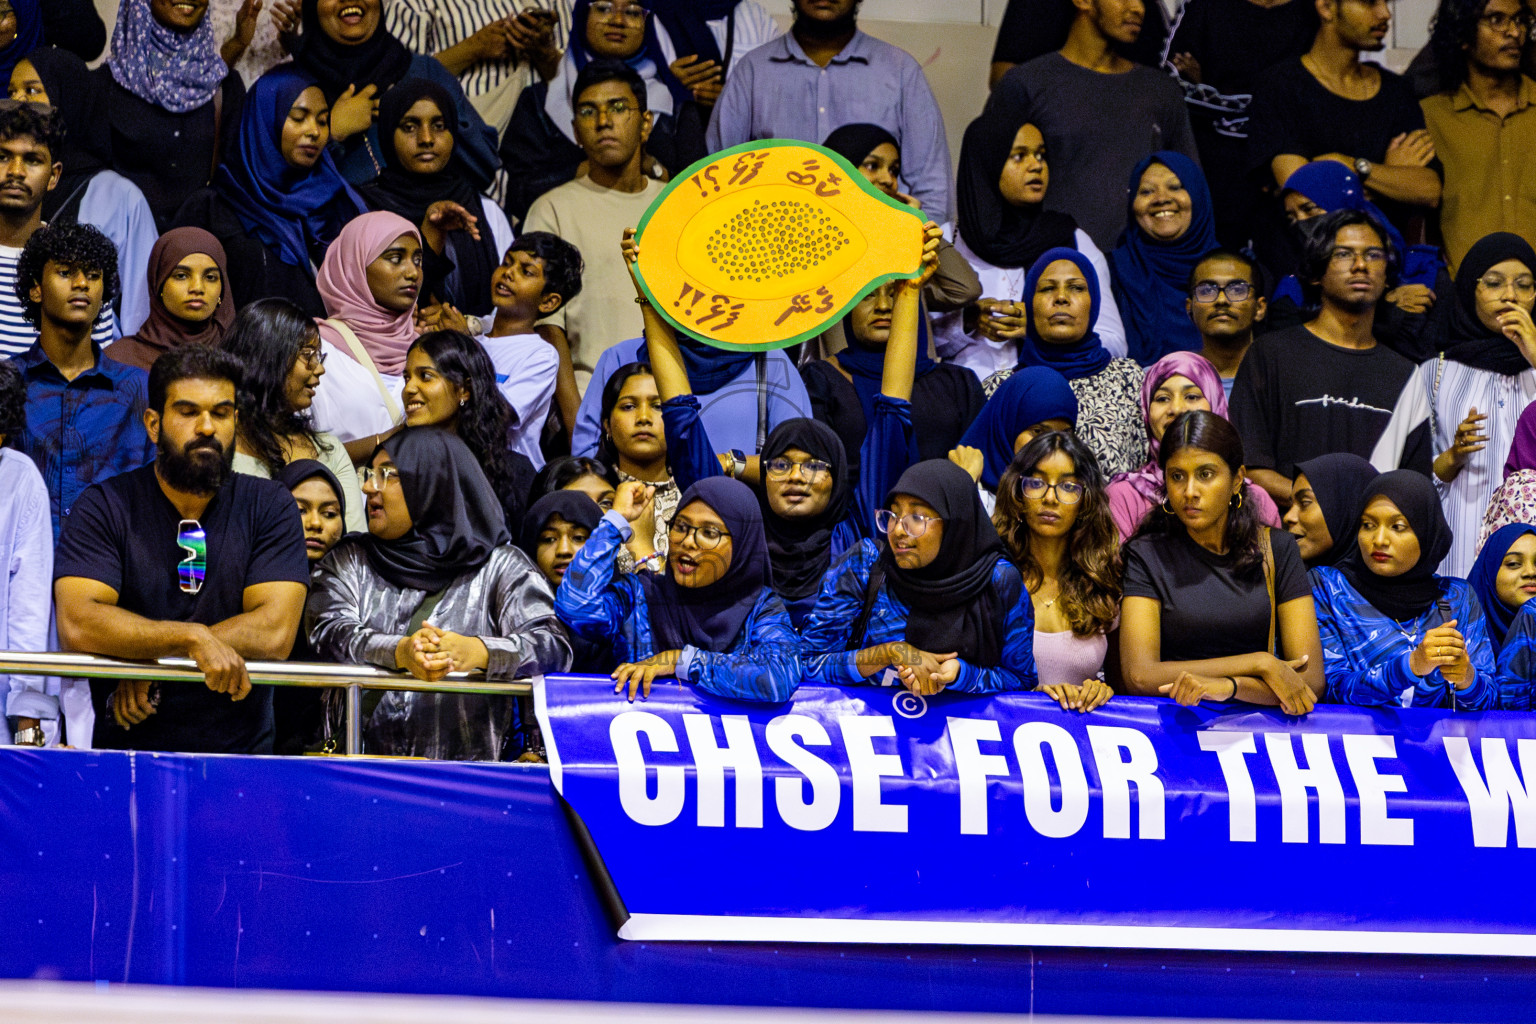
(1148, 480)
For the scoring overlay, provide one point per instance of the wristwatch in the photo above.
(1363, 168)
(31, 736)
(738, 463)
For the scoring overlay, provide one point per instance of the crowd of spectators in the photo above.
(323, 340)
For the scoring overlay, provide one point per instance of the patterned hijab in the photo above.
(178, 71)
(343, 284)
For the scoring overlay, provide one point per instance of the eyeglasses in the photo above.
(780, 468)
(707, 537)
(193, 569)
(367, 475)
(912, 524)
(1498, 282)
(1372, 255)
(1068, 492)
(629, 12)
(615, 108)
(1499, 21)
(314, 358)
(1235, 291)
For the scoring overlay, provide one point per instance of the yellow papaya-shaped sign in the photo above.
(765, 244)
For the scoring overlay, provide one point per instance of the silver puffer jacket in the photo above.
(354, 615)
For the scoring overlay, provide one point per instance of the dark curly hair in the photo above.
(68, 245)
(1452, 33)
(1318, 250)
(484, 421)
(563, 265)
(13, 404)
(1090, 577)
(559, 473)
(34, 121)
(1207, 432)
(267, 337)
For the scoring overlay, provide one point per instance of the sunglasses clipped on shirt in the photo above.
(193, 569)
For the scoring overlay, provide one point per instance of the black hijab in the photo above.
(299, 470)
(1410, 595)
(854, 142)
(456, 517)
(800, 549)
(1337, 482)
(574, 507)
(380, 60)
(711, 617)
(994, 229)
(951, 601)
(81, 104)
(1466, 340)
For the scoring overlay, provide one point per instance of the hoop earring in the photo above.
(1166, 508)
(1238, 501)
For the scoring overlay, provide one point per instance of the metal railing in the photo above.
(311, 675)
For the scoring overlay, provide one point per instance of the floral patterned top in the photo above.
(1109, 417)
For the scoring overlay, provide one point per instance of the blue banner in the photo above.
(872, 815)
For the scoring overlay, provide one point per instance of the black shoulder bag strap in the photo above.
(762, 401)
(871, 591)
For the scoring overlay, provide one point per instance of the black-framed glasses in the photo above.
(1068, 492)
(193, 568)
(779, 468)
(707, 536)
(1235, 291)
(913, 524)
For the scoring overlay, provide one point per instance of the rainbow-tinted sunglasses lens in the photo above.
(193, 540)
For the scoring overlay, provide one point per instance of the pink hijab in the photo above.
(1148, 480)
(343, 284)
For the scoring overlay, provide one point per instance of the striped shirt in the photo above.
(1440, 393)
(432, 26)
(17, 334)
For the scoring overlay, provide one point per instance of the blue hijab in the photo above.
(283, 206)
(711, 617)
(1082, 358)
(650, 50)
(1030, 396)
(866, 363)
(1152, 277)
(29, 35)
(1333, 186)
(1483, 576)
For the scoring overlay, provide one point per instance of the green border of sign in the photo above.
(853, 174)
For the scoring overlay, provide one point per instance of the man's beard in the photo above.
(814, 29)
(189, 471)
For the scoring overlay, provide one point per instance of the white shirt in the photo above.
(526, 366)
(1460, 387)
(348, 403)
(984, 356)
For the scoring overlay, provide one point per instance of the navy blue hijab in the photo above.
(711, 617)
(1082, 358)
(1483, 578)
(1029, 396)
(283, 206)
(866, 363)
(1152, 277)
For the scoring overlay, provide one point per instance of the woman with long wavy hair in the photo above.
(1053, 516)
(1217, 606)
(450, 383)
(279, 346)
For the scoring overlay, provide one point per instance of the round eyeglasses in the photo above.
(1068, 492)
(912, 524)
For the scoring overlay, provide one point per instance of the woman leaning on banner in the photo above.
(1217, 606)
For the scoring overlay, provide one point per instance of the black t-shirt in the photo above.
(122, 532)
(1236, 42)
(256, 271)
(1208, 610)
(1293, 113)
(1297, 397)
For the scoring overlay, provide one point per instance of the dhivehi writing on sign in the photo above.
(765, 244)
(870, 815)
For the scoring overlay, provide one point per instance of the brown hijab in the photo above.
(162, 331)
